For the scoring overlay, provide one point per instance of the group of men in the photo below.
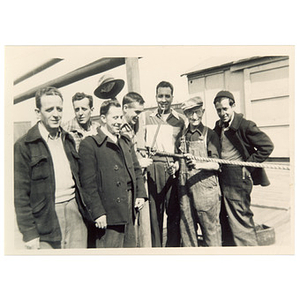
(86, 185)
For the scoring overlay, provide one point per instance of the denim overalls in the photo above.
(199, 193)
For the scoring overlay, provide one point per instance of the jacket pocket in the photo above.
(39, 168)
(39, 207)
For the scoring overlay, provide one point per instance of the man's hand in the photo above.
(190, 162)
(172, 168)
(101, 222)
(33, 244)
(145, 162)
(246, 173)
(139, 203)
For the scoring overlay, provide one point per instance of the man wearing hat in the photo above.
(199, 189)
(241, 140)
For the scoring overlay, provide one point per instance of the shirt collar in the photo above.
(126, 126)
(199, 129)
(45, 133)
(173, 113)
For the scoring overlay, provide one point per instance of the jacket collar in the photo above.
(101, 137)
(34, 134)
(236, 122)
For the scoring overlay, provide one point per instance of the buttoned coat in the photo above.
(102, 166)
(34, 186)
(253, 144)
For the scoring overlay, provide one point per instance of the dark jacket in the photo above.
(34, 186)
(253, 144)
(103, 176)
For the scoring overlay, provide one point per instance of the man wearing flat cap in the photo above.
(241, 140)
(199, 189)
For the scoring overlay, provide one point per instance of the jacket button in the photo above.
(118, 200)
(116, 168)
(118, 183)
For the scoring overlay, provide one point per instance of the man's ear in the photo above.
(38, 113)
(103, 119)
(125, 106)
(203, 110)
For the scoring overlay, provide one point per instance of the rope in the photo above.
(227, 162)
(243, 163)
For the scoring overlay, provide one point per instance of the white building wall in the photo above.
(261, 92)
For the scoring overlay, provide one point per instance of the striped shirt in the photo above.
(79, 133)
(162, 134)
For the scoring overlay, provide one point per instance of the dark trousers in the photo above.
(163, 195)
(118, 236)
(238, 228)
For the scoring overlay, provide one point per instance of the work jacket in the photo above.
(34, 186)
(103, 165)
(253, 145)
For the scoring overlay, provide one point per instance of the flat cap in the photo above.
(191, 103)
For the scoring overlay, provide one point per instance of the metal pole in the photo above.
(91, 69)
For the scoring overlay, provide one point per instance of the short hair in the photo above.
(219, 99)
(80, 96)
(48, 91)
(105, 106)
(165, 84)
(132, 97)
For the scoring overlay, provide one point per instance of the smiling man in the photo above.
(241, 140)
(199, 185)
(112, 180)
(81, 125)
(162, 128)
(48, 197)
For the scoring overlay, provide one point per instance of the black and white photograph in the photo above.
(149, 150)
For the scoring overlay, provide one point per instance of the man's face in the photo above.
(194, 116)
(132, 112)
(164, 99)
(113, 120)
(224, 110)
(82, 110)
(50, 112)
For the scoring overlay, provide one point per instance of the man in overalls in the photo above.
(198, 181)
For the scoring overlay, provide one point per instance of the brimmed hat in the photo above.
(225, 94)
(191, 103)
(102, 92)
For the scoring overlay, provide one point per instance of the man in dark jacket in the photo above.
(48, 199)
(241, 140)
(112, 180)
